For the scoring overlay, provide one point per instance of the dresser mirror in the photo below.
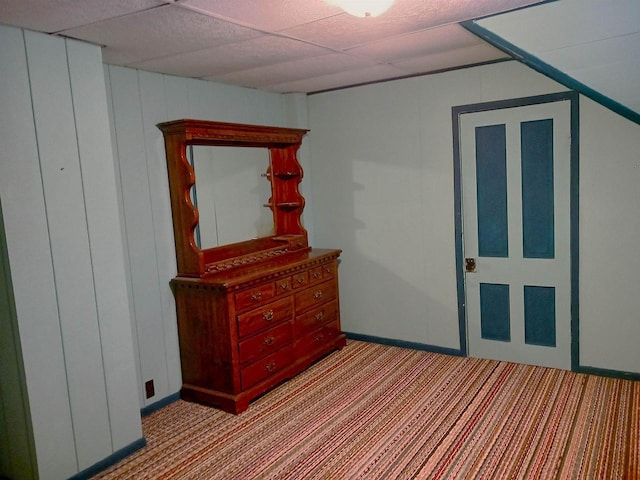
(230, 193)
(235, 196)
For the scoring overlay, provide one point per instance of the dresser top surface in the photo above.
(270, 269)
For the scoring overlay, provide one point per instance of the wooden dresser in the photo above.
(242, 333)
(255, 313)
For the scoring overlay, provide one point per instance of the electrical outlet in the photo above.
(149, 389)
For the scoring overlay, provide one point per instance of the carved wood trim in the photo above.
(284, 172)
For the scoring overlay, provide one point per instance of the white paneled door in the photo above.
(515, 186)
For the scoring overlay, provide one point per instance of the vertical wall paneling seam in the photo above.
(125, 234)
(93, 280)
(123, 225)
(423, 230)
(167, 315)
(53, 269)
(153, 226)
(148, 151)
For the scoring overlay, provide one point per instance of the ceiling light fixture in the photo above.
(363, 8)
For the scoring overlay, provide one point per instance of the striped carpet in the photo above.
(379, 412)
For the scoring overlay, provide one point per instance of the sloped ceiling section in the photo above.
(592, 46)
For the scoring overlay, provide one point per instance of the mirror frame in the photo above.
(286, 203)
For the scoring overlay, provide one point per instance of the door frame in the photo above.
(456, 112)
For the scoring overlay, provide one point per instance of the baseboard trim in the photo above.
(404, 344)
(112, 459)
(602, 372)
(605, 372)
(149, 409)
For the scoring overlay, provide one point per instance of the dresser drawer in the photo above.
(284, 285)
(329, 270)
(265, 317)
(313, 319)
(315, 275)
(316, 295)
(317, 339)
(265, 343)
(248, 299)
(252, 374)
(300, 280)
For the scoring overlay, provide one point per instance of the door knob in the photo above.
(470, 265)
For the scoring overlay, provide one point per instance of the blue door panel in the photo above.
(495, 321)
(540, 316)
(491, 177)
(537, 189)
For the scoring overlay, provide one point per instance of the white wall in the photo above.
(140, 100)
(382, 160)
(64, 252)
(609, 239)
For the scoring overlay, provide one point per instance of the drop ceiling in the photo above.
(273, 45)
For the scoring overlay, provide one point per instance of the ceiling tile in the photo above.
(294, 70)
(163, 31)
(451, 59)
(336, 80)
(270, 15)
(421, 43)
(232, 57)
(47, 16)
(345, 31)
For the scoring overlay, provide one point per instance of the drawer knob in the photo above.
(269, 340)
(257, 296)
(318, 338)
(319, 316)
(317, 294)
(268, 315)
(270, 367)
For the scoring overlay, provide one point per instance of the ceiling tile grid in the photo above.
(418, 44)
(44, 16)
(227, 58)
(159, 32)
(357, 76)
(276, 45)
(475, 54)
(295, 70)
(265, 15)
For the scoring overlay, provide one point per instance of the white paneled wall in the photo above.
(609, 237)
(382, 158)
(64, 250)
(139, 101)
